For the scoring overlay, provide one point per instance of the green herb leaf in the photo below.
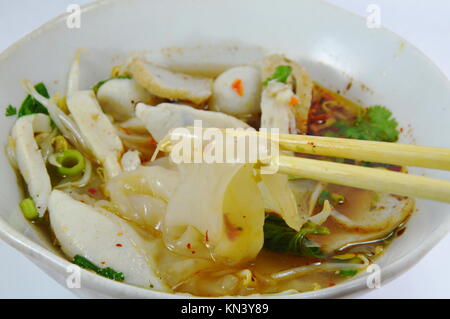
(32, 106)
(281, 74)
(278, 236)
(347, 272)
(96, 87)
(10, 110)
(42, 90)
(105, 272)
(376, 124)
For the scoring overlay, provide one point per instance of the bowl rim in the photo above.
(92, 281)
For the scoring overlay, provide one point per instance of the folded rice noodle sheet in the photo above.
(142, 195)
(222, 219)
(161, 119)
(279, 198)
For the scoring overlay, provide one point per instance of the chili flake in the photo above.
(238, 87)
(293, 101)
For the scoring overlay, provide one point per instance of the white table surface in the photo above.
(423, 23)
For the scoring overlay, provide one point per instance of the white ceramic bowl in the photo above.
(334, 45)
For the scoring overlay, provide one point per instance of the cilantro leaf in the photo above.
(105, 272)
(281, 74)
(10, 110)
(278, 236)
(376, 124)
(42, 90)
(31, 105)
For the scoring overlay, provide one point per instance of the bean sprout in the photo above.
(11, 152)
(46, 145)
(305, 270)
(73, 81)
(62, 121)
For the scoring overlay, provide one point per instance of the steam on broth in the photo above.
(97, 183)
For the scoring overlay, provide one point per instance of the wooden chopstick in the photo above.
(362, 150)
(370, 151)
(380, 180)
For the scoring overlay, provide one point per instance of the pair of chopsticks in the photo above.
(380, 180)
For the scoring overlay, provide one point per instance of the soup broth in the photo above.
(345, 229)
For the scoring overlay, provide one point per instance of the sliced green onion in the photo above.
(337, 198)
(29, 209)
(72, 162)
(105, 272)
(347, 272)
